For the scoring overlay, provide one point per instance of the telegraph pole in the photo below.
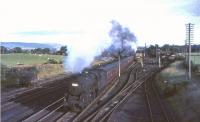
(189, 37)
(185, 50)
(119, 58)
(119, 65)
(145, 50)
(159, 62)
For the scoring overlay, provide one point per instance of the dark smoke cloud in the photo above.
(119, 33)
(123, 40)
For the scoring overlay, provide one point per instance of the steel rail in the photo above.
(148, 102)
(127, 94)
(160, 103)
(31, 118)
(131, 67)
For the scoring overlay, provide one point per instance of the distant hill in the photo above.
(29, 45)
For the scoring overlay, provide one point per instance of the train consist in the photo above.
(89, 84)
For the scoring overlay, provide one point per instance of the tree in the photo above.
(171, 49)
(17, 50)
(26, 50)
(151, 51)
(3, 50)
(46, 51)
(63, 50)
(53, 51)
(165, 48)
(38, 51)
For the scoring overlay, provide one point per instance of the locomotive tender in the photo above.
(88, 85)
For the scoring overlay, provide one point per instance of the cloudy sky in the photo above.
(75, 21)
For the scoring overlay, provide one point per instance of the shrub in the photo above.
(60, 62)
(180, 58)
(51, 61)
(170, 90)
(17, 76)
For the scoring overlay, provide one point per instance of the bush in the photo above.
(51, 61)
(195, 67)
(4, 70)
(170, 90)
(17, 76)
(60, 62)
(180, 58)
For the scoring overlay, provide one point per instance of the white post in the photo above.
(189, 60)
(145, 50)
(141, 61)
(119, 66)
(159, 63)
(189, 52)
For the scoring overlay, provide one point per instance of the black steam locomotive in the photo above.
(87, 85)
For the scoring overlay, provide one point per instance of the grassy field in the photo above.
(33, 67)
(196, 60)
(195, 57)
(27, 59)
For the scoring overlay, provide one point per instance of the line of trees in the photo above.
(169, 49)
(62, 51)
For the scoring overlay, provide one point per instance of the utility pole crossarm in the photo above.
(189, 37)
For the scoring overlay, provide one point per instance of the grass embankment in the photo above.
(14, 59)
(21, 67)
(196, 58)
(48, 70)
(182, 94)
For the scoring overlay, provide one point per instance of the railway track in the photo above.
(103, 114)
(27, 104)
(103, 111)
(12, 94)
(8, 96)
(67, 117)
(105, 95)
(47, 113)
(102, 107)
(157, 109)
(26, 97)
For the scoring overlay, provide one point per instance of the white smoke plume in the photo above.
(83, 51)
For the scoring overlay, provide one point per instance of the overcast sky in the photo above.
(72, 21)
